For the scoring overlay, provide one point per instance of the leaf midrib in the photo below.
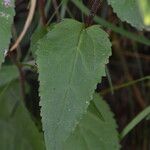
(77, 49)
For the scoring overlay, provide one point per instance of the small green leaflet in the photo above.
(71, 61)
(6, 20)
(96, 130)
(135, 12)
(17, 130)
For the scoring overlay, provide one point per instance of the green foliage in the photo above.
(6, 19)
(142, 115)
(96, 130)
(38, 34)
(8, 74)
(17, 130)
(117, 29)
(71, 61)
(132, 12)
(144, 6)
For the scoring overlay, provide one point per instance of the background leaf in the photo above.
(71, 61)
(7, 74)
(131, 11)
(96, 130)
(18, 131)
(6, 19)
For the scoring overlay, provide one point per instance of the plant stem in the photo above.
(42, 11)
(93, 12)
(114, 28)
(26, 26)
(134, 122)
(124, 85)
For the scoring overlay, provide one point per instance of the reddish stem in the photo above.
(94, 9)
(42, 11)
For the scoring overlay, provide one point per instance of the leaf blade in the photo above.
(93, 132)
(130, 11)
(18, 131)
(6, 19)
(69, 69)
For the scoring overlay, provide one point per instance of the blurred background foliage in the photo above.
(127, 85)
(145, 11)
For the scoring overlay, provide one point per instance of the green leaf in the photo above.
(132, 12)
(7, 74)
(96, 130)
(17, 130)
(6, 19)
(71, 61)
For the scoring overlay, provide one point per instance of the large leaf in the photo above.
(135, 12)
(97, 129)
(6, 19)
(17, 130)
(71, 61)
